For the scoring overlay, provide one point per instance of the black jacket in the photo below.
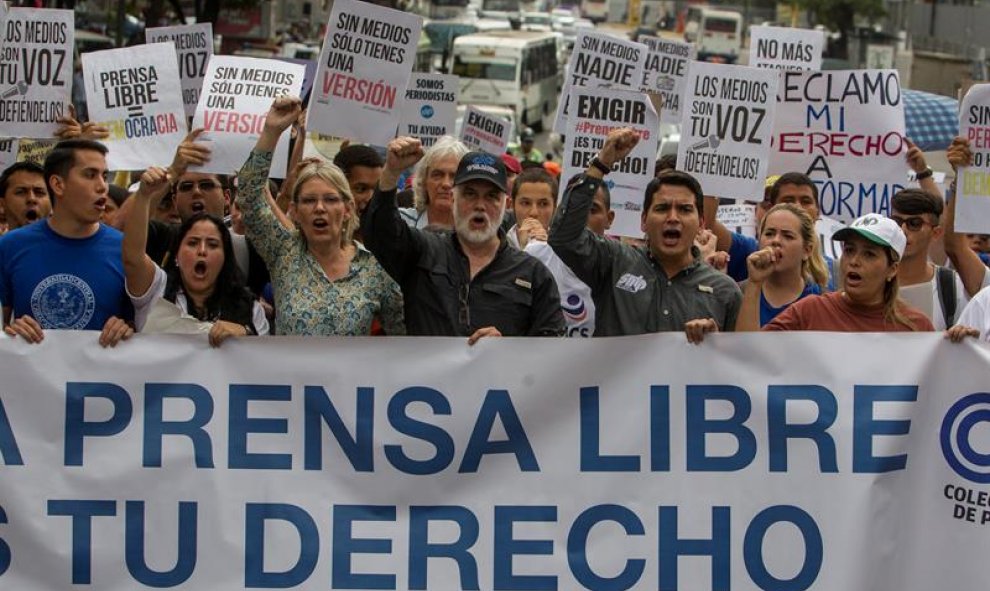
(515, 293)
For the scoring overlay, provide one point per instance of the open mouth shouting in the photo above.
(853, 279)
(200, 269)
(671, 237)
(32, 215)
(197, 206)
(100, 204)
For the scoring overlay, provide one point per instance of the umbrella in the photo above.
(931, 120)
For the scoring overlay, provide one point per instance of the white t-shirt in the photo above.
(976, 314)
(924, 296)
(142, 304)
(575, 295)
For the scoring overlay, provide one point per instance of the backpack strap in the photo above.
(946, 284)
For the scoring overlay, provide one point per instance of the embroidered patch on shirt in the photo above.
(523, 283)
(631, 283)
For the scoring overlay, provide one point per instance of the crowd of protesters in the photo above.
(484, 249)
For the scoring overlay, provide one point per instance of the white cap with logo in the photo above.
(877, 229)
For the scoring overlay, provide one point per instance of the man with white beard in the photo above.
(469, 282)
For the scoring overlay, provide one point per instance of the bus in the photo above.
(595, 11)
(716, 33)
(516, 69)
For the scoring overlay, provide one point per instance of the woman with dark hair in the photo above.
(867, 300)
(201, 276)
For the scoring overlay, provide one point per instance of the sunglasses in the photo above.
(204, 186)
(913, 223)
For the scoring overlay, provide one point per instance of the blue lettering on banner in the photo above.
(241, 426)
(255, 575)
(866, 427)
(673, 547)
(134, 553)
(779, 430)
(406, 425)
(155, 428)
(956, 431)
(421, 549)
(77, 428)
(507, 546)
(498, 404)
(5, 555)
(345, 545)
(699, 426)
(9, 451)
(577, 547)
(591, 458)
(82, 514)
(847, 200)
(814, 548)
(358, 447)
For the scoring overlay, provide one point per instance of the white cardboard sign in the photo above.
(973, 182)
(595, 113)
(785, 48)
(237, 95)
(193, 50)
(599, 61)
(665, 73)
(135, 93)
(368, 55)
(35, 71)
(726, 129)
(482, 131)
(8, 151)
(430, 108)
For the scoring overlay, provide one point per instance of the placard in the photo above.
(430, 108)
(237, 94)
(845, 130)
(727, 129)
(786, 48)
(595, 113)
(368, 55)
(739, 217)
(35, 71)
(665, 73)
(973, 182)
(193, 50)
(826, 228)
(135, 92)
(8, 152)
(481, 131)
(600, 60)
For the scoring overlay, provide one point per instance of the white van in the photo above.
(515, 69)
(716, 33)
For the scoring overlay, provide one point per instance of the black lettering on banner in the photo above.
(193, 64)
(767, 48)
(43, 66)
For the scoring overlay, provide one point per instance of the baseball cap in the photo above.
(511, 163)
(481, 166)
(877, 229)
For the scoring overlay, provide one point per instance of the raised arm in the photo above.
(967, 263)
(139, 269)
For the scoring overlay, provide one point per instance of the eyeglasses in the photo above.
(204, 186)
(913, 223)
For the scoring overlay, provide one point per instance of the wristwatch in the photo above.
(601, 166)
(924, 174)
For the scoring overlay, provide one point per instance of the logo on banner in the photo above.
(63, 301)
(960, 427)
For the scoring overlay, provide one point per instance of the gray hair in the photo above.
(444, 147)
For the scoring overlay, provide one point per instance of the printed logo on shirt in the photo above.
(631, 283)
(574, 309)
(63, 301)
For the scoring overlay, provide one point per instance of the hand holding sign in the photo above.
(154, 184)
(959, 153)
(402, 152)
(915, 157)
(189, 153)
(619, 143)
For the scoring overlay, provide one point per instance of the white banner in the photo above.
(826, 228)
(8, 151)
(134, 92)
(786, 48)
(430, 109)
(481, 131)
(594, 114)
(35, 71)
(629, 463)
(973, 183)
(193, 50)
(368, 55)
(237, 94)
(739, 217)
(600, 60)
(665, 73)
(727, 129)
(845, 130)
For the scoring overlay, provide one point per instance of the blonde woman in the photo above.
(788, 267)
(325, 283)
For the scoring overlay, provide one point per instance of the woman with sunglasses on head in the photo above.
(867, 299)
(788, 267)
(201, 277)
(325, 283)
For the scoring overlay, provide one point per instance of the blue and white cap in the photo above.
(482, 166)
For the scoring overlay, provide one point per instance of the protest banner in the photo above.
(786, 48)
(973, 182)
(826, 228)
(193, 50)
(3, 20)
(430, 109)
(665, 73)
(297, 462)
(135, 92)
(237, 95)
(35, 71)
(36, 151)
(368, 55)
(595, 113)
(845, 130)
(739, 217)
(8, 152)
(600, 60)
(727, 127)
(309, 76)
(482, 131)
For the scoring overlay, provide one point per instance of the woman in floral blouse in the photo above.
(325, 283)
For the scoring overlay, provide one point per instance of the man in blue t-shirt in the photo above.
(66, 272)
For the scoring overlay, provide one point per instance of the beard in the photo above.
(462, 226)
